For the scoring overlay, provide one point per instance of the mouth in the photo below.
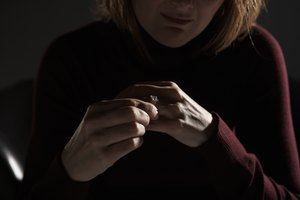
(176, 20)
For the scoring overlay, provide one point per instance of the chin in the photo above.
(173, 44)
(174, 40)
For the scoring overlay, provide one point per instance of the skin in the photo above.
(111, 129)
(174, 23)
(108, 131)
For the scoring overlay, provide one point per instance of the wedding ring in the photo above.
(153, 99)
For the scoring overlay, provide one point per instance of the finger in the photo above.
(103, 106)
(171, 111)
(123, 115)
(160, 83)
(119, 150)
(120, 133)
(168, 126)
(140, 91)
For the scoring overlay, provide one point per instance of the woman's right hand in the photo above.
(108, 131)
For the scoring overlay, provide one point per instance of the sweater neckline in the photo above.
(167, 57)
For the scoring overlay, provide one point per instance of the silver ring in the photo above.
(153, 99)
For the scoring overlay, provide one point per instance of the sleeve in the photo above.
(258, 158)
(237, 174)
(57, 112)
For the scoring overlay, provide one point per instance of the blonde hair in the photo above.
(233, 20)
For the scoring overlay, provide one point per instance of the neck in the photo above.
(164, 56)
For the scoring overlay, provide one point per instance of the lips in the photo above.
(176, 20)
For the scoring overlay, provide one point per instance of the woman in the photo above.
(164, 96)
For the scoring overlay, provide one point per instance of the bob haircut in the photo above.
(233, 20)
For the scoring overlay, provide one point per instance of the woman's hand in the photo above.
(179, 115)
(108, 131)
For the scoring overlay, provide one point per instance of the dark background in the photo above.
(27, 28)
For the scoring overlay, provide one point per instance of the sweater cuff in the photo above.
(228, 165)
(223, 144)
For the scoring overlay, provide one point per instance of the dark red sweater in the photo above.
(253, 155)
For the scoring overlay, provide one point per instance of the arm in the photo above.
(56, 114)
(76, 136)
(238, 174)
(258, 159)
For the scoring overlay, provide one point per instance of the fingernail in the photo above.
(137, 141)
(156, 115)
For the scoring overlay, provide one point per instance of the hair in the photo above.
(233, 20)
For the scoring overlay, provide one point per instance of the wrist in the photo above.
(211, 129)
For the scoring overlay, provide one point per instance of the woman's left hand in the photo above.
(179, 115)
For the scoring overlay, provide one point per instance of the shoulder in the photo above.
(80, 49)
(258, 57)
(93, 30)
(260, 43)
(265, 42)
(90, 36)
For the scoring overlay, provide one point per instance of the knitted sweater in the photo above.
(253, 155)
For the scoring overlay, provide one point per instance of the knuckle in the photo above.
(132, 102)
(179, 110)
(137, 128)
(173, 84)
(177, 93)
(180, 124)
(132, 113)
(135, 114)
(177, 107)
